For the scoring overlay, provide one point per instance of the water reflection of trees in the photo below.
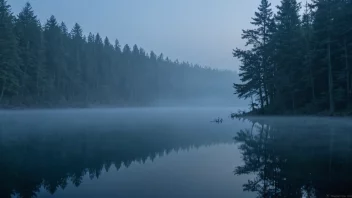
(296, 160)
(52, 160)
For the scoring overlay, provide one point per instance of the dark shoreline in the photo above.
(72, 106)
(63, 107)
(319, 114)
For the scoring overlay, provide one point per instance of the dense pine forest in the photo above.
(298, 59)
(47, 65)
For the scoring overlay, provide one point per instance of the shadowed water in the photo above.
(171, 152)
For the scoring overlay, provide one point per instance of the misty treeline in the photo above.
(298, 59)
(49, 65)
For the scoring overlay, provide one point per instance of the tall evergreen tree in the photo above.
(324, 35)
(30, 47)
(9, 60)
(343, 36)
(98, 50)
(76, 62)
(288, 57)
(263, 20)
(54, 58)
(256, 64)
(308, 69)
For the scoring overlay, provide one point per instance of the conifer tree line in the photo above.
(49, 65)
(299, 58)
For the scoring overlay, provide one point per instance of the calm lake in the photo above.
(172, 152)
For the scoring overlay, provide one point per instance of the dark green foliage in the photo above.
(30, 48)
(308, 59)
(256, 62)
(9, 61)
(51, 66)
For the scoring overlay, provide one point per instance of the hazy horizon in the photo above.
(198, 31)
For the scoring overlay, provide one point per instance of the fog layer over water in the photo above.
(171, 152)
(64, 149)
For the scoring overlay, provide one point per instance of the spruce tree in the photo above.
(263, 21)
(324, 41)
(76, 68)
(308, 76)
(99, 67)
(30, 47)
(256, 63)
(288, 55)
(10, 71)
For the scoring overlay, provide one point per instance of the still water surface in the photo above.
(171, 152)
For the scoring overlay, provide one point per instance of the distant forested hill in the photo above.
(47, 65)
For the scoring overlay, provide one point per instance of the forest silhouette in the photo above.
(296, 159)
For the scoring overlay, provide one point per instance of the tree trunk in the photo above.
(348, 75)
(330, 75)
(311, 76)
(293, 101)
(331, 84)
(2, 89)
(23, 88)
(266, 94)
(252, 103)
(265, 87)
(37, 86)
(272, 92)
(264, 61)
(262, 73)
(350, 89)
(312, 85)
(261, 98)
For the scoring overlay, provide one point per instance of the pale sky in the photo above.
(198, 31)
